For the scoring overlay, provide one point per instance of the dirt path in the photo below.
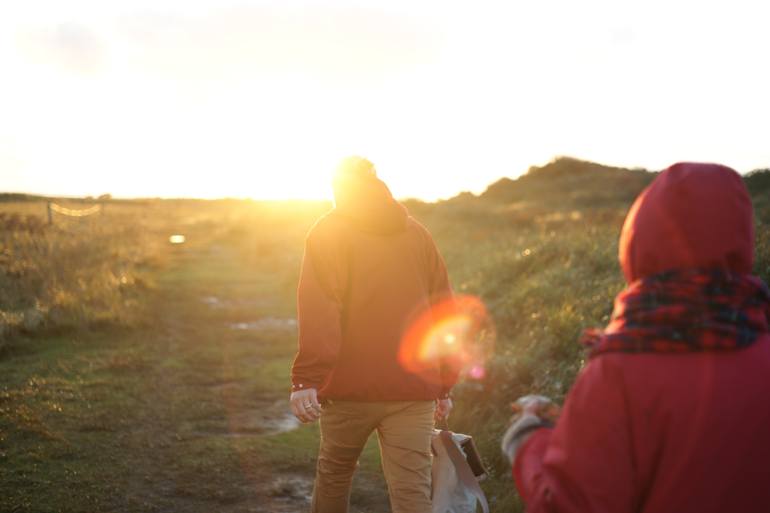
(236, 335)
(217, 349)
(188, 413)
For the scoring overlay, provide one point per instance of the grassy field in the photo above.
(136, 375)
(182, 408)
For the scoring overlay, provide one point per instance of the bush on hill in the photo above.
(567, 183)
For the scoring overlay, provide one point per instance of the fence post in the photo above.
(50, 213)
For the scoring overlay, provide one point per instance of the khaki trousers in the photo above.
(404, 429)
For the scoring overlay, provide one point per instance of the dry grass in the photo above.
(77, 272)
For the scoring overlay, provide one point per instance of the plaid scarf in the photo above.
(685, 311)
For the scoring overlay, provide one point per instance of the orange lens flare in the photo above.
(455, 335)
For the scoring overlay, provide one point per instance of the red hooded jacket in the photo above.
(368, 272)
(660, 433)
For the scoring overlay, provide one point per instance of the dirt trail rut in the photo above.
(225, 347)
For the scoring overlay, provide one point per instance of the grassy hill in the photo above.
(541, 252)
(570, 183)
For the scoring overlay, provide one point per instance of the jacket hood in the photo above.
(368, 205)
(693, 215)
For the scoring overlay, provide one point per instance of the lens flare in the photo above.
(455, 335)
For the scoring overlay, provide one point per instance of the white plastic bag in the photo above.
(455, 488)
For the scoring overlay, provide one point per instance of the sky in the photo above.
(224, 98)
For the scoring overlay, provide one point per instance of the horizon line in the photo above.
(323, 198)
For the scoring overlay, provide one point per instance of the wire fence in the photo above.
(71, 212)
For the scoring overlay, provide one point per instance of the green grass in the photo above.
(61, 411)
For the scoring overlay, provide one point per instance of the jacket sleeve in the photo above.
(585, 463)
(440, 290)
(320, 294)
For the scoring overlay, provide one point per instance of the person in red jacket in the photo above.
(368, 272)
(670, 413)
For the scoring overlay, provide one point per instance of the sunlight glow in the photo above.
(261, 98)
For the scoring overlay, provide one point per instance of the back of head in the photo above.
(693, 216)
(353, 174)
(365, 199)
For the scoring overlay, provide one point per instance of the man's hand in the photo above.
(443, 407)
(304, 405)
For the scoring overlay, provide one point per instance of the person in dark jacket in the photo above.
(368, 271)
(670, 413)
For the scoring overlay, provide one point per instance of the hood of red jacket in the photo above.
(368, 205)
(693, 215)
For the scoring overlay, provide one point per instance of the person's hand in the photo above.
(537, 405)
(443, 407)
(531, 412)
(304, 405)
